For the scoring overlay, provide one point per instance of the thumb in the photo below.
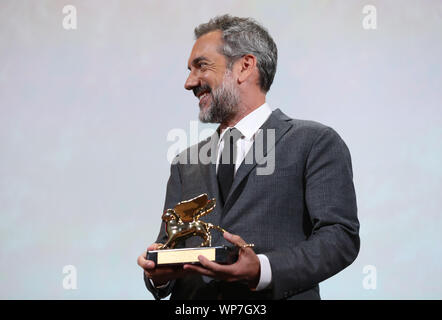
(153, 246)
(233, 238)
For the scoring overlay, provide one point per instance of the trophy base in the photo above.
(221, 254)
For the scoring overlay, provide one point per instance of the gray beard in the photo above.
(224, 102)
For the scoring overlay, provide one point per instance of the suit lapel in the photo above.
(278, 122)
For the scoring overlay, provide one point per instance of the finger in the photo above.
(215, 267)
(145, 264)
(224, 272)
(206, 272)
(164, 271)
(238, 241)
(153, 246)
(197, 269)
(141, 259)
(233, 238)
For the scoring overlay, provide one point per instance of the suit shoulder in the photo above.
(309, 131)
(310, 128)
(312, 135)
(300, 124)
(308, 125)
(315, 133)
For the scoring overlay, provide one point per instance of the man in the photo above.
(294, 199)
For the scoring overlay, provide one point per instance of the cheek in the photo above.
(212, 78)
(207, 79)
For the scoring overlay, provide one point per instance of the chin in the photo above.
(205, 116)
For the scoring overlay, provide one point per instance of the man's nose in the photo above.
(191, 82)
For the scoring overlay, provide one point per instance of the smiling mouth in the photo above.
(204, 99)
(203, 95)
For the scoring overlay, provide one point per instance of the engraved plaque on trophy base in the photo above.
(220, 254)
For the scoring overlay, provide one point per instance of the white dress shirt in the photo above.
(249, 126)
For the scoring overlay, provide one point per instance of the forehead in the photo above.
(207, 46)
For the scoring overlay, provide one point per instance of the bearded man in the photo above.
(301, 215)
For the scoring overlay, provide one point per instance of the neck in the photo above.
(243, 111)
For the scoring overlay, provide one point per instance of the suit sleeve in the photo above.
(173, 196)
(331, 204)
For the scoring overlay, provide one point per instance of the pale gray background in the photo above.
(84, 116)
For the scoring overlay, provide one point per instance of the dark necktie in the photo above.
(226, 165)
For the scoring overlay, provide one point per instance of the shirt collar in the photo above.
(250, 124)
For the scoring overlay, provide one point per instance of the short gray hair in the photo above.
(243, 36)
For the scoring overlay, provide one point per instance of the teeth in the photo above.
(203, 95)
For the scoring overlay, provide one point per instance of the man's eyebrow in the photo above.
(197, 60)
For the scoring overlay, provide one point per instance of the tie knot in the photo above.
(233, 133)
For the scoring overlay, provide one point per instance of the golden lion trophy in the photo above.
(183, 222)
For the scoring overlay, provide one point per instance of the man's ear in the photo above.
(247, 65)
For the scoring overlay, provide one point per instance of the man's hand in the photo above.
(246, 268)
(159, 275)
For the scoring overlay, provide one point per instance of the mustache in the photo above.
(198, 90)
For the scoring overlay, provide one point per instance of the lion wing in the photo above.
(186, 210)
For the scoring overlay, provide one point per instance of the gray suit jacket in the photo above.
(303, 217)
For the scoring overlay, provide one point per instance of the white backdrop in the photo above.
(85, 113)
